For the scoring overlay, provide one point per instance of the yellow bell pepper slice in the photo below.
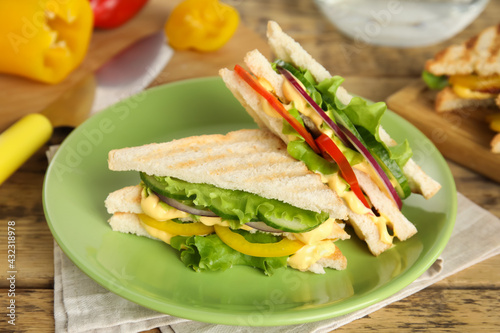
(475, 82)
(237, 242)
(203, 25)
(44, 40)
(464, 92)
(171, 227)
(474, 86)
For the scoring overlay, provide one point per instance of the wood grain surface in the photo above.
(465, 302)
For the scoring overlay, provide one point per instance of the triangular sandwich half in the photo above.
(338, 136)
(234, 199)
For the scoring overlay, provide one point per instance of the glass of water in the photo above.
(401, 23)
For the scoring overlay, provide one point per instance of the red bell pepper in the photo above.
(110, 14)
(276, 104)
(328, 146)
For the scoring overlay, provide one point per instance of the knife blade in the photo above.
(124, 75)
(143, 60)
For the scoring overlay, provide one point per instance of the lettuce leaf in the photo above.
(209, 253)
(301, 151)
(306, 78)
(401, 153)
(366, 115)
(238, 205)
(359, 111)
(435, 82)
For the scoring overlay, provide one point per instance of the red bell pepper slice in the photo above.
(277, 105)
(327, 145)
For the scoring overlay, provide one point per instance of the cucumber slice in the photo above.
(157, 185)
(391, 168)
(287, 225)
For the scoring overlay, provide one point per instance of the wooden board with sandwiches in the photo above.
(457, 102)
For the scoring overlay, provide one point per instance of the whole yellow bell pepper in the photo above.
(204, 25)
(44, 40)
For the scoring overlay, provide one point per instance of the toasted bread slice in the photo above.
(336, 261)
(128, 223)
(253, 161)
(125, 200)
(447, 101)
(368, 232)
(287, 49)
(479, 55)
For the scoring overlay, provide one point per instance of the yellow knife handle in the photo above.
(20, 141)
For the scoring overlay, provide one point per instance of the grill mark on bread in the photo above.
(199, 144)
(495, 50)
(471, 43)
(478, 55)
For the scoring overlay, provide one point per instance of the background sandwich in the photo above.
(467, 76)
(336, 135)
(224, 200)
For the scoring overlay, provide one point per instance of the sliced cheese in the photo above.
(151, 206)
(156, 233)
(309, 254)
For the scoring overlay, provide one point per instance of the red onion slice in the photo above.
(315, 106)
(345, 136)
(263, 227)
(378, 169)
(185, 208)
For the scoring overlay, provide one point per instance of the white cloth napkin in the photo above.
(81, 305)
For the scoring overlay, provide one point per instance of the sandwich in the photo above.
(338, 137)
(467, 75)
(225, 200)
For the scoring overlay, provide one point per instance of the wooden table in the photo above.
(466, 302)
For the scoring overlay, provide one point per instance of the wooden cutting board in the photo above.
(20, 96)
(463, 137)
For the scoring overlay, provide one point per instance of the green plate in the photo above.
(150, 273)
